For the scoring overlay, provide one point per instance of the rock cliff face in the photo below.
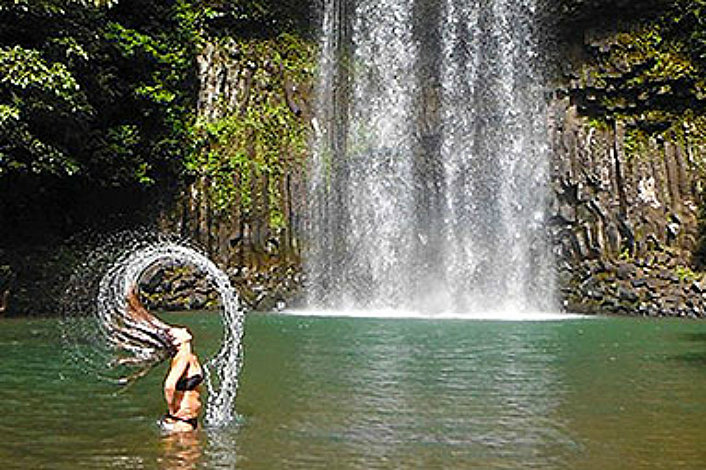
(625, 224)
(245, 205)
(628, 146)
(628, 138)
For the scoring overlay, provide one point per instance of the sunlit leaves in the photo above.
(8, 114)
(53, 7)
(25, 69)
(33, 85)
(247, 152)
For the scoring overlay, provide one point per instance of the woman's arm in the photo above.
(179, 364)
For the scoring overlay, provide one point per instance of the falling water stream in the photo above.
(429, 179)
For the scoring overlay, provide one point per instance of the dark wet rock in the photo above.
(598, 266)
(667, 275)
(635, 288)
(650, 295)
(184, 289)
(640, 282)
(626, 188)
(6, 278)
(625, 271)
(198, 301)
(595, 294)
(627, 295)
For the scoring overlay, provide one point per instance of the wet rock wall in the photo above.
(628, 145)
(245, 205)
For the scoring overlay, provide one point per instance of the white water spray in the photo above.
(93, 332)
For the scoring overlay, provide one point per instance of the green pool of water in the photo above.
(601, 393)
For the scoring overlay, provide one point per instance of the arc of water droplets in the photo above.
(222, 370)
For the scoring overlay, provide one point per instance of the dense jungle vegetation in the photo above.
(97, 103)
(99, 126)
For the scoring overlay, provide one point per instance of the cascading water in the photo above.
(96, 323)
(429, 182)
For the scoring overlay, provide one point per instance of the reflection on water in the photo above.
(221, 451)
(497, 401)
(181, 451)
(448, 394)
(356, 393)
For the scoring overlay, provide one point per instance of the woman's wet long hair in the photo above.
(139, 340)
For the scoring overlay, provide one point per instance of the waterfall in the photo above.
(429, 179)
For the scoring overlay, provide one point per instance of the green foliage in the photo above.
(98, 100)
(102, 94)
(635, 143)
(625, 255)
(598, 123)
(688, 20)
(24, 69)
(264, 19)
(685, 274)
(651, 72)
(247, 152)
(34, 86)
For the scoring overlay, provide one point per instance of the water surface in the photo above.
(320, 392)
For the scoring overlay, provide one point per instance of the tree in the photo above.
(101, 93)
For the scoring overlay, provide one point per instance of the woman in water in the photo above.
(181, 387)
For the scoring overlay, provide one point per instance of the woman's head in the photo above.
(179, 336)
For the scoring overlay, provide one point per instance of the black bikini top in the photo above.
(186, 384)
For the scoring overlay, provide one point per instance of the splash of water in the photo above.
(93, 330)
(430, 173)
(495, 316)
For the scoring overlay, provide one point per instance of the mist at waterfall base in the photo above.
(429, 180)
(95, 317)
